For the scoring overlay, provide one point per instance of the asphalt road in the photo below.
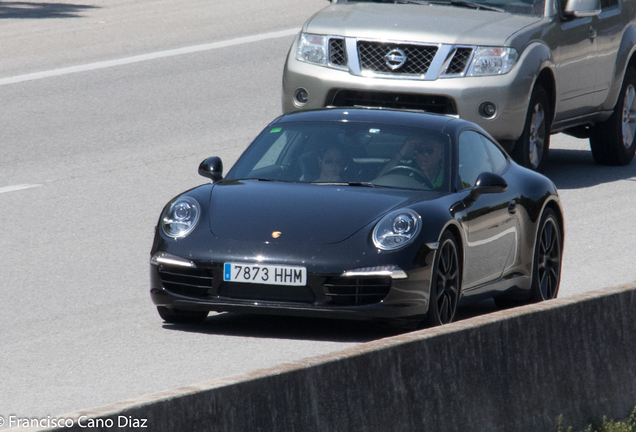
(106, 110)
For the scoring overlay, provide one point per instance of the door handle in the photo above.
(512, 207)
(592, 33)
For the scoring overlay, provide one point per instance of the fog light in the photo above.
(301, 96)
(487, 109)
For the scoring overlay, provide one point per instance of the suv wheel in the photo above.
(531, 150)
(612, 141)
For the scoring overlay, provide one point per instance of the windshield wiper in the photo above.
(363, 184)
(368, 1)
(467, 4)
(358, 184)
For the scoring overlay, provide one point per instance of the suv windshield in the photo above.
(524, 7)
(355, 154)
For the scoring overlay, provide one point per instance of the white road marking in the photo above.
(150, 56)
(18, 187)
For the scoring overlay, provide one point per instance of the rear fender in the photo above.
(626, 57)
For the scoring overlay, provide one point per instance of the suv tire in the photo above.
(531, 150)
(612, 141)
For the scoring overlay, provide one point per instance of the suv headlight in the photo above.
(492, 61)
(397, 229)
(312, 49)
(180, 217)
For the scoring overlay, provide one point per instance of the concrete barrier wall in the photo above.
(514, 370)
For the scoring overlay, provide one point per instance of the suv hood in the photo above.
(250, 210)
(418, 23)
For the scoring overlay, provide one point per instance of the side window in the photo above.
(606, 4)
(473, 158)
(498, 159)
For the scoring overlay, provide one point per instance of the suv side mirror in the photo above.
(582, 8)
(212, 168)
(488, 182)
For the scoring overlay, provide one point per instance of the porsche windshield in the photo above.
(356, 154)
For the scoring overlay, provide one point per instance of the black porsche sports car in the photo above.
(359, 214)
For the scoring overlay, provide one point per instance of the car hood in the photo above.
(253, 210)
(418, 23)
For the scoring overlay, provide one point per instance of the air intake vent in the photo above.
(337, 53)
(346, 291)
(187, 281)
(428, 103)
(458, 63)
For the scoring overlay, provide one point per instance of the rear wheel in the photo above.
(546, 267)
(446, 283)
(531, 150)
(178, 316)
(612, 142)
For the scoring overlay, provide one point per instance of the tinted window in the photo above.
(525, 7)
(473, 158)
(606, 4)
(497, 158)
(338, 152)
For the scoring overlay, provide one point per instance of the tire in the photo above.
(178, 316)
(445, 283)
(546, 264)
(612, 142)
(548, 255)
(531, 149)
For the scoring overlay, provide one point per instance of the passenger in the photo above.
(332, 163)
(427, 155)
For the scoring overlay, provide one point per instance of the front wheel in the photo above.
(612, 142)
(445, 283)
(531, 150)
(178, 316)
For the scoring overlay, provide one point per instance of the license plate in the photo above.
(265, 274)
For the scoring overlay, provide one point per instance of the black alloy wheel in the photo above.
(546, 272)
(531, 150)
(446, 283)
(178, 316)
(612, 142)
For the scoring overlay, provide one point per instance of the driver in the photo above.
(427, 157)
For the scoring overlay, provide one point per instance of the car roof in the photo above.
(381, 115)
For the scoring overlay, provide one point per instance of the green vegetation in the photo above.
(605, 425)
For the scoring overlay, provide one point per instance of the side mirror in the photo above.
(212, 168)
(582, 8)
(488, 182)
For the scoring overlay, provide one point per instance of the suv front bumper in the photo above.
(462, 96)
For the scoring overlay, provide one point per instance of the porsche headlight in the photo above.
(492, 61)
(312, 49)
(397, 229)
(180, 217)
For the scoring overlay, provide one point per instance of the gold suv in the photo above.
(521, 69)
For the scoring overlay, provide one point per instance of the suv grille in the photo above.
(337, 54)
(418, 58)
(357, 291)
(459, 61)
(429, 103)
